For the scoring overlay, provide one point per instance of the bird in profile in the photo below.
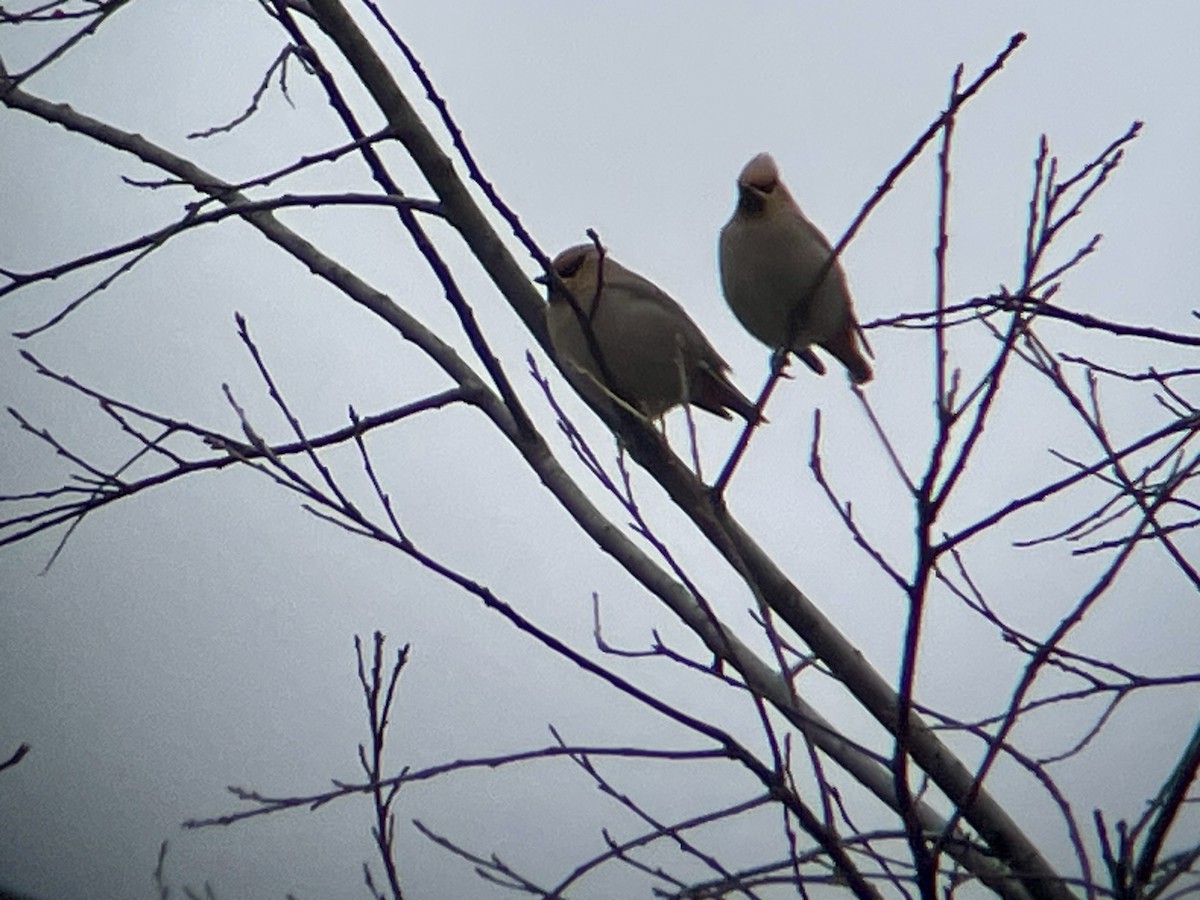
(656, 357)
(771, 258)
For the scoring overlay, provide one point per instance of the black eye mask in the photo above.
(570, 267)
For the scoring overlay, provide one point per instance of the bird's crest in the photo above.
(761, 172)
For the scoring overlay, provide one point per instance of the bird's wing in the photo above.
(659, 306)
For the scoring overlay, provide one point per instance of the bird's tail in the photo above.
(714, 392)
(844, 346)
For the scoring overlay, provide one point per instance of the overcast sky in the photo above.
(201, 635)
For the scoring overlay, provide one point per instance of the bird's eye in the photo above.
(766, 188)
(569, 267)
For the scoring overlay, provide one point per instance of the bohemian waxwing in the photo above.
(770, 259)
(657, 356)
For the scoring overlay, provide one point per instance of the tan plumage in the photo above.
(657, 356)
(770, 259)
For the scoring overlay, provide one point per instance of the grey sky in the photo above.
(201, 635)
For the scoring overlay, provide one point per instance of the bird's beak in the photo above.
(542, 279)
